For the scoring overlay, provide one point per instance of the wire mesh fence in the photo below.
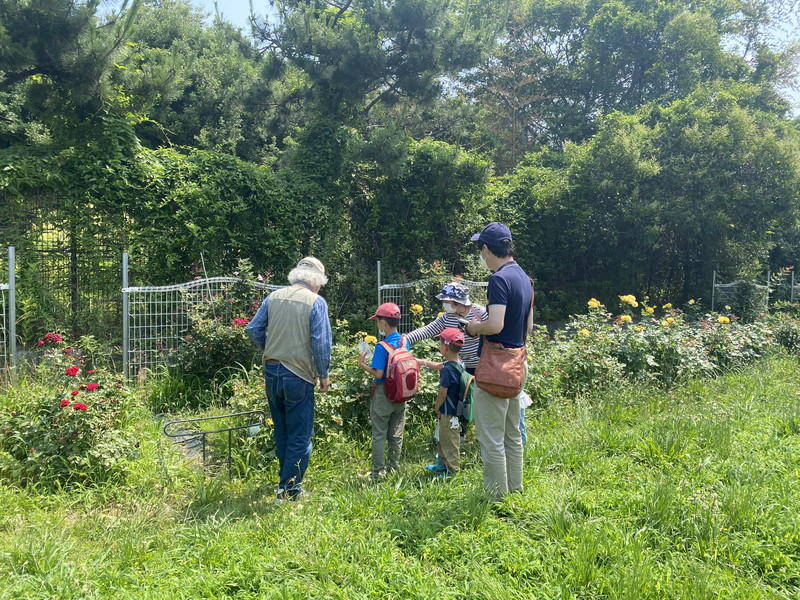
(423, 292)
(69, 264)
(742, 297)
(157, 319)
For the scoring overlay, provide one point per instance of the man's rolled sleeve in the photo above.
(257, 327)
(321, 337)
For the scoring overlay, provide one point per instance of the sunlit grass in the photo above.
(634, 493)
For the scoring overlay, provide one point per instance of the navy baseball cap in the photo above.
(492, 234)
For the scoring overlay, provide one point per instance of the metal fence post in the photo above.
(125, 317)
(766, 307)
(12, 309)
(713, 289)
(379, 283)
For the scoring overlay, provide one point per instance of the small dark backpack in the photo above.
(466, 406)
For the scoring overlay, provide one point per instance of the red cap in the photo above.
(452, 335)
(388, 310)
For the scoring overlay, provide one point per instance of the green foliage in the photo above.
(66, 425)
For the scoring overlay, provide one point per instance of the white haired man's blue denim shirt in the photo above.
(319, 325)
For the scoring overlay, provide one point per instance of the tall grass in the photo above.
(634, 493)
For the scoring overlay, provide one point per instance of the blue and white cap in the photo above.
(455, 292)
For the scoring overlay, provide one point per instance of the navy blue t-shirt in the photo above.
(450, 378)
(510, 286)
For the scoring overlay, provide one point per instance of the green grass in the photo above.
(635, 493)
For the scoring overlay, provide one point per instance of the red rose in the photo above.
(90, 387)
(64, 403)
(91, 371)
(73, 370)
(40, 343)
(80, 406)
(67, 351)
(74, 392)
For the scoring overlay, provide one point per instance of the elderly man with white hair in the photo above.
(294, 331)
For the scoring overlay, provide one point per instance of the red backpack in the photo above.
(401, 381)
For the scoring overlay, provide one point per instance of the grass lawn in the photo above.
(632, 493)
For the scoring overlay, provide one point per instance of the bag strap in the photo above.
(470, 381)
(389, 348)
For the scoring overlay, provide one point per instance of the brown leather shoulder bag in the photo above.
(501, 370)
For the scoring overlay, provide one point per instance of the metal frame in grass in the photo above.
(156, 318)
(186, 433)
(423, 290)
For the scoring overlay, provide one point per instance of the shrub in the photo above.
(213, 346)
(69, 427)
(787, 332)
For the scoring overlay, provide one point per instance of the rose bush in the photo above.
(69, 424)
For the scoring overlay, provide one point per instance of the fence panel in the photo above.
(157, 318)
(740, 295)
(423, 292)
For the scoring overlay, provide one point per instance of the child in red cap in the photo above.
(388, 418)
(451, 391)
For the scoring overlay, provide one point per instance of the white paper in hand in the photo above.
(524, 400)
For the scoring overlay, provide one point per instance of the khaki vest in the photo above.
(289, 332)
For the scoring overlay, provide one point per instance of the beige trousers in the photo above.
(449, 446)
(388, 424)
(497, 430)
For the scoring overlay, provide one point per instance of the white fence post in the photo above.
(713, 289)
(126, 342)
(379, 283)
(12, 309)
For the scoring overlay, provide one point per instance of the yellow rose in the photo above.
(723, 320)
(727, 307)
(650, 310)
(370, 339)
(691, 301)
(670, 320)
(583, 332)
(415, 308)
(667, 306)
(594, 303)
(439, 315)
(625, 319)
(638, 328)
(665, 323)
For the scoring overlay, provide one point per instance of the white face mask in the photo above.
(381, 333)
(483, 262)
(448, 307)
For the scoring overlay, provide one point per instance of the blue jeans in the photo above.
(291, 403)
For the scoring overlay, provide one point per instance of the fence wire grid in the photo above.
(423, 292)
(740, 294)
(159, 317)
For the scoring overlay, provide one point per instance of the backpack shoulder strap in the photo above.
(467, 387)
